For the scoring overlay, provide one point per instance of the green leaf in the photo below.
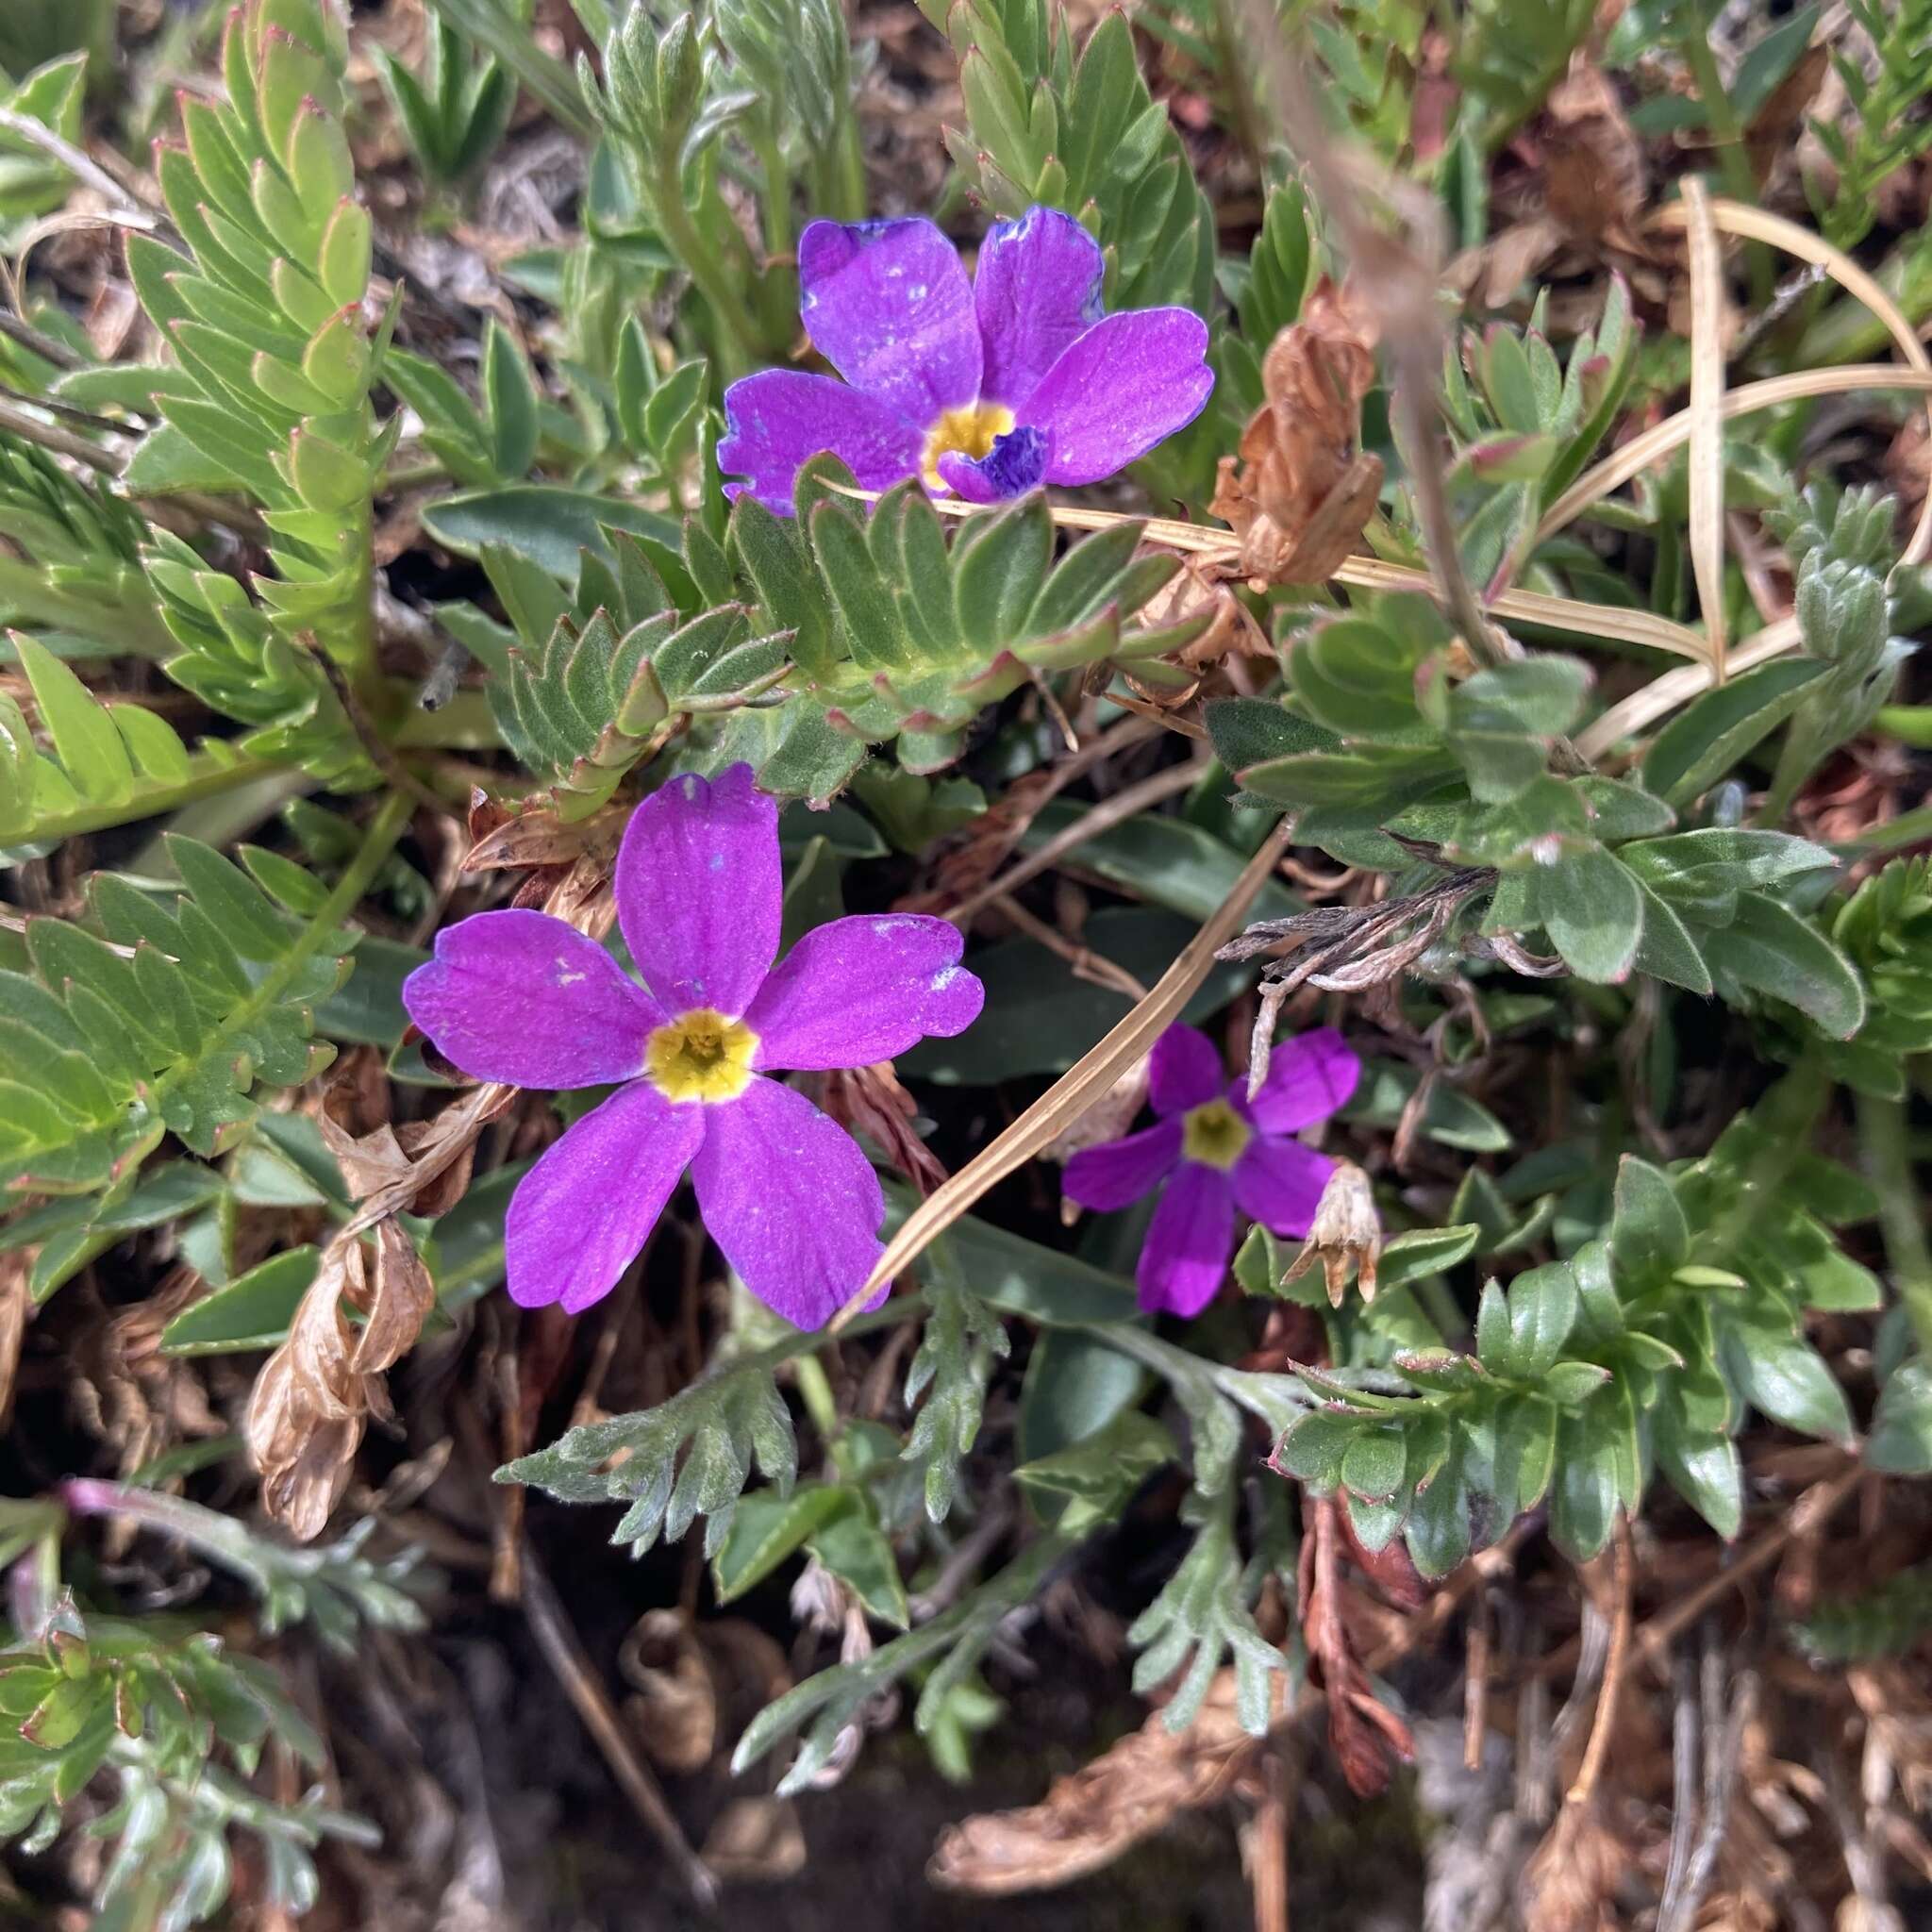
(767, 1527)
(1542, 1311)
(1251, 732)
(1704, 1469)
(92, 753)
(1773, 951)
(252, 1312)
(856, 1551)
(1075, 1385)
(1666, 951)
(1649, 1236)
(177, 1029)
(1105, 1468)
(550, 526)
(1901, 1438)
(1422, 1252)
(1167, 862)
(1710, 736)
(1374, 1463)
(1593, 910)
(512, 399)
(1784, 1377)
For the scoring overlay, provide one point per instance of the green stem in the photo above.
(1888, 1167)
(777, 190)
(1727, 133)
(377, 843)
(851, 189)
(815, 1391)
(706, 269)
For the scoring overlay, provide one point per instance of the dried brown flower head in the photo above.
(1301, 491)
(1346, 1229)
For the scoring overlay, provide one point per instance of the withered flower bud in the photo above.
(1347, 1228)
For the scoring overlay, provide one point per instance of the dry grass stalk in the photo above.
(1708, 311)
(1070, 1095)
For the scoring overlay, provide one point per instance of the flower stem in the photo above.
(1728, 136)
(777, 190)
(706, 271)
(378, 843)
(1888, 1167)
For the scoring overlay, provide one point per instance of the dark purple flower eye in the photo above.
(1219, 1152)
(984, 388)
(787, 1194)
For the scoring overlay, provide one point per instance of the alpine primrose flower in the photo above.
(787, 1194)
(984, 388)
(1218, 1151)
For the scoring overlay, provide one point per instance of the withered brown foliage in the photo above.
(1301, 490)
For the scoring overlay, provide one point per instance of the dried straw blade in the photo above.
(1707, 477)
(1077, 1088)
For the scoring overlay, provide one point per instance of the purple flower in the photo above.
(1218, 1151)
(787, 1194)
(987, 388)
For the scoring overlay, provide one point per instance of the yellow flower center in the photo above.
(970, 430)
(1214, 1135)
(700, 1056)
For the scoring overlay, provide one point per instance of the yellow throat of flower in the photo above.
(1214, 1134)
(700, 1056)
(971, 430)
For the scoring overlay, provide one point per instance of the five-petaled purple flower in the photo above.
(987, 388)
(1218, 1151)
(521, 997)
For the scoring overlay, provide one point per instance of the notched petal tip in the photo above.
(699, 892)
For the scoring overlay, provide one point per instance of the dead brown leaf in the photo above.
(1230, 631)
(1594, 171)
(1300, 492)
(316, 1392)
(15, 1304)
(1573, 1875)
(871, 1101)
(1368, 1736)
(539, 839)
(309, 1408)
(674, 1709)
(1088, 1820)
(755, 1842)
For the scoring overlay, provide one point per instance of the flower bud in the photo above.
(1347, 1228)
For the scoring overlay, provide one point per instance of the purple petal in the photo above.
(863, 990)
(777, 419)
(698, 891)
(1184, 1260)
(790, 1199)
(1118, 1172)
(1036, 291)
(1183, 1070)
(579, 1218)
(888, 307)
(1132, 380)
(1014, 465)
(525, 998)
(1279, 1183)
(1309, 1077)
